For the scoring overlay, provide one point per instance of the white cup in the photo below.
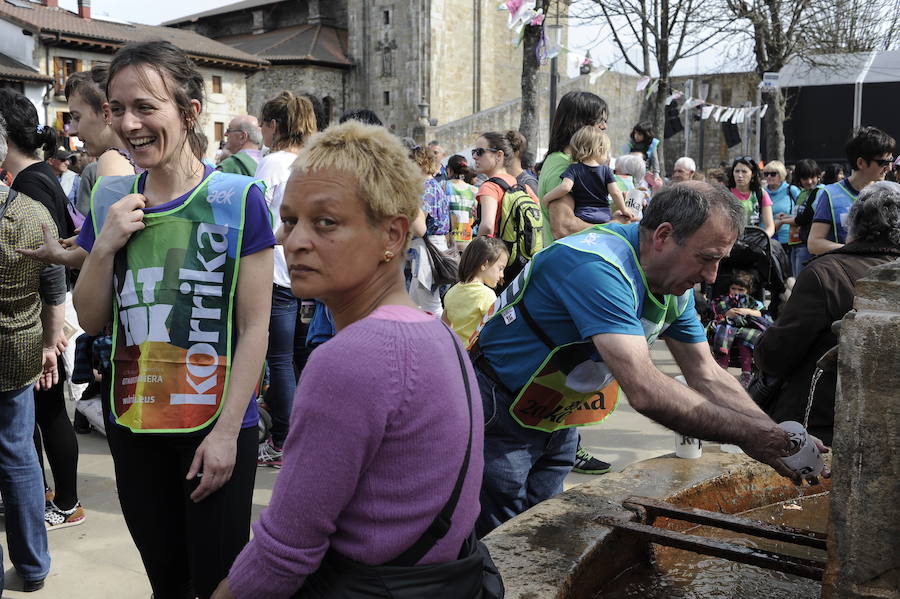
(688, 447)
(805, 458)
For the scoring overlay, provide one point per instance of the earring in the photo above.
(388, 255)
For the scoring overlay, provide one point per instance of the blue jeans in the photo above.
(22, 486)
(522, 466)
(799, 257)
(282, 379)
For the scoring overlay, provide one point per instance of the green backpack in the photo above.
(521, 222)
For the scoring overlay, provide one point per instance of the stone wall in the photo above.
(617, 89)
(322, 82)
(864, 538)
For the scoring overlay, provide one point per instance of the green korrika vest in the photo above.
(570, 387)
(173, 305)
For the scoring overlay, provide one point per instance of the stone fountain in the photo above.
(566, 547)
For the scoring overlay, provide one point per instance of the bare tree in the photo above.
(782, 30)
(662, 32)
(528, 123)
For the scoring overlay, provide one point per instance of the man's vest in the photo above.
(173, 306)
(240, 164)
(573, 386)
(840, 199)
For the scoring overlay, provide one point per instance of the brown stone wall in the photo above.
(322, 82)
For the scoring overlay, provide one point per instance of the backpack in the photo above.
(521, 222)
(804, 217)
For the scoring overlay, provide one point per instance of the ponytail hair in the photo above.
(182, 81)
(295, 119)
(458, 168)
(23, 127)
(517, 142)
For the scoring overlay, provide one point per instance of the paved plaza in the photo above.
(97, 559)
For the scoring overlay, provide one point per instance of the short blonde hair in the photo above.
(389, 183)
(587, 142)
(778, 167)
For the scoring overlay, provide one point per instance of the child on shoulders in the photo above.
(590, 180)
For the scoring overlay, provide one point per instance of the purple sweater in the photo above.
(378, 434)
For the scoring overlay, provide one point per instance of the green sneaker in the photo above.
(585, 463)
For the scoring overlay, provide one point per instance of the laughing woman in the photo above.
(176, 258)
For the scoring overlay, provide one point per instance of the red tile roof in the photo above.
(316, 44)
(72, 28)
(15, 70)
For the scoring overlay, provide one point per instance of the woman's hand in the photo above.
(223, 591)
(124, 219)
(213, 463)
(50, 371)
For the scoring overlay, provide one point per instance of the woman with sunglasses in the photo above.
(493, 156)
(783, 196)
(743, 181)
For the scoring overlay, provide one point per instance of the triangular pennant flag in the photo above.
(738, 116)
(762, 111)
(596, 75)
(706, 111)
(652, 89)
(718, 113)
(675, 95)
(726, 116)
(642, 83)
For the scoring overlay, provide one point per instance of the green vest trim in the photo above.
(569, 388)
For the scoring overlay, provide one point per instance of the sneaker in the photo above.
(269, 455)
(55, 518)
(585, 463)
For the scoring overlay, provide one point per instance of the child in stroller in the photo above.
(739, 319)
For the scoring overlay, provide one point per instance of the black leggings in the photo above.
(187, 548)
(53, 427)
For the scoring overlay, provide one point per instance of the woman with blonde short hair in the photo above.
(784, 198)
(391, 386)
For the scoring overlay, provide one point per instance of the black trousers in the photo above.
(187, 548)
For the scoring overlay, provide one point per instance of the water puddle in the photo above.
(677, 574)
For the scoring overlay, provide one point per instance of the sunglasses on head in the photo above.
(477, 152)
(882, 162)
(745, 159)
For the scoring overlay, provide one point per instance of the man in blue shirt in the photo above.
(575, 326)
(870, 153)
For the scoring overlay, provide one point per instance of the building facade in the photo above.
(42, 44)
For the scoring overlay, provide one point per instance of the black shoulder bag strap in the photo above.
(444, 520)
(9, 200)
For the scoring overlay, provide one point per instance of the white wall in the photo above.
(16, 45)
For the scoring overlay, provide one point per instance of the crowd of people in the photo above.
(476, 309)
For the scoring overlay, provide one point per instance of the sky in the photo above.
(593, 36)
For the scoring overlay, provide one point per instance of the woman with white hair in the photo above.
(824, 293)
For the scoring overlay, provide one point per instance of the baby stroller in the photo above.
(755, 252)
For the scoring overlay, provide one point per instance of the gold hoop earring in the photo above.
(388, 255)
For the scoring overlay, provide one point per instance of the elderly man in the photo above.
(824, 293)
(575, 326)
(31, 319)
(684, 170)
(243, 138)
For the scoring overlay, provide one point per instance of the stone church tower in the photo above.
(417, 63)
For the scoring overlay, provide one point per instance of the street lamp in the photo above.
(555, 34)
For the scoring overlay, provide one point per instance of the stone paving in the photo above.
(97, 560)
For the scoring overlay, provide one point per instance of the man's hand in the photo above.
(50, 372)
(52, 251)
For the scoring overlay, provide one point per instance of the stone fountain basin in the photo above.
(558, 550)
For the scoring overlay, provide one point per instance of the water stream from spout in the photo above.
(812, 390)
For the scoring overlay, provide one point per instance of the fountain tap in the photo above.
(828, 361)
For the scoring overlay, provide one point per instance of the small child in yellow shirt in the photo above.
(480, 270)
